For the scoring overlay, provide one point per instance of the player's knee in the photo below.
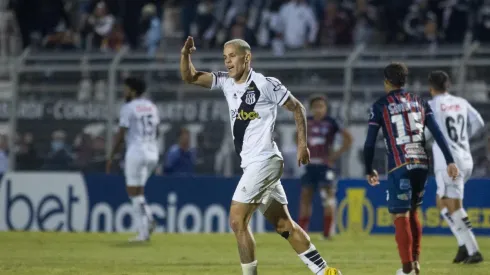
(237, 224)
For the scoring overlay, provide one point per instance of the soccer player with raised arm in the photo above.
(138, 123)
(252, 100)
(320, 173)
(454, 115)
(403, 117)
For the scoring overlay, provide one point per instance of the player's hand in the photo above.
(108, 165)
(373, 178)
(189, 47)
(303, 155)
(452, 171)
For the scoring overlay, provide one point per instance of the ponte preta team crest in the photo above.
(250, 97)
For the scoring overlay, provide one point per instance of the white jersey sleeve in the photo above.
(474, 119)
(124, 116)
(219, 79)
(275, 92)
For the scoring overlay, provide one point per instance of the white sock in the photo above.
(447, 217)
(313, 260)
(250, 268)
(464, 227)
(142, 222)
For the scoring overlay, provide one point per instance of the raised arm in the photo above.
(188, 73)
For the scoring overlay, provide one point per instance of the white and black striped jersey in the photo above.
(253, 112)
(140, 117)
(454, 115)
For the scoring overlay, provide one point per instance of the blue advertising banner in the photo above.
(98, 202)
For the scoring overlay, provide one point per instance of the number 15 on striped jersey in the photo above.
(415, 124)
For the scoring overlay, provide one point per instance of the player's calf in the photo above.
(404, 240)
(240, 214)
(142, 212)
(279, 217)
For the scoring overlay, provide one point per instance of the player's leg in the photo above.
(150, 166)
(252, 189)
(134, 187)
(329, 202)
(308, 188)
(441, 194)
(240, 215)
(276, 212)
(454, 203)
(399, 203)
(418, 179)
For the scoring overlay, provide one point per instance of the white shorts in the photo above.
(261, 184)
(138, 167)
(449, 188)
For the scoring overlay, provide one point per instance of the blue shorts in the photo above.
(405, 189)
(318, 175)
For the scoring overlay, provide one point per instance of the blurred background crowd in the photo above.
(107, 25)
(160, 26)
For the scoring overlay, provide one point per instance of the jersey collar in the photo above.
(249, 78)
(441, 95)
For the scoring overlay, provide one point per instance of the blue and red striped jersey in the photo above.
(321, 136)
(403, 117)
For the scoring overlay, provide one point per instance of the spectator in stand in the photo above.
(239, 29)
(337, 27)
(455, 20)
(181, 158)
(151, 29)
(82, 148)
(27, 158)
(482, 24)
(45, 20)
(366, 15)
(392, 17)
(421, 25)
(59, 157)
(207, 26)
(187, 16)
(298, 25)
(100, 25)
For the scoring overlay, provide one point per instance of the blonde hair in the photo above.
(240, 43)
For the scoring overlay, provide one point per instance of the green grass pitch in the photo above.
(33, 253)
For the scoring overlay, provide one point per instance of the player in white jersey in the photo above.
(138, 124)
(454, 114)
(253, 99)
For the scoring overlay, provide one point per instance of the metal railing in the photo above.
(351, 62)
